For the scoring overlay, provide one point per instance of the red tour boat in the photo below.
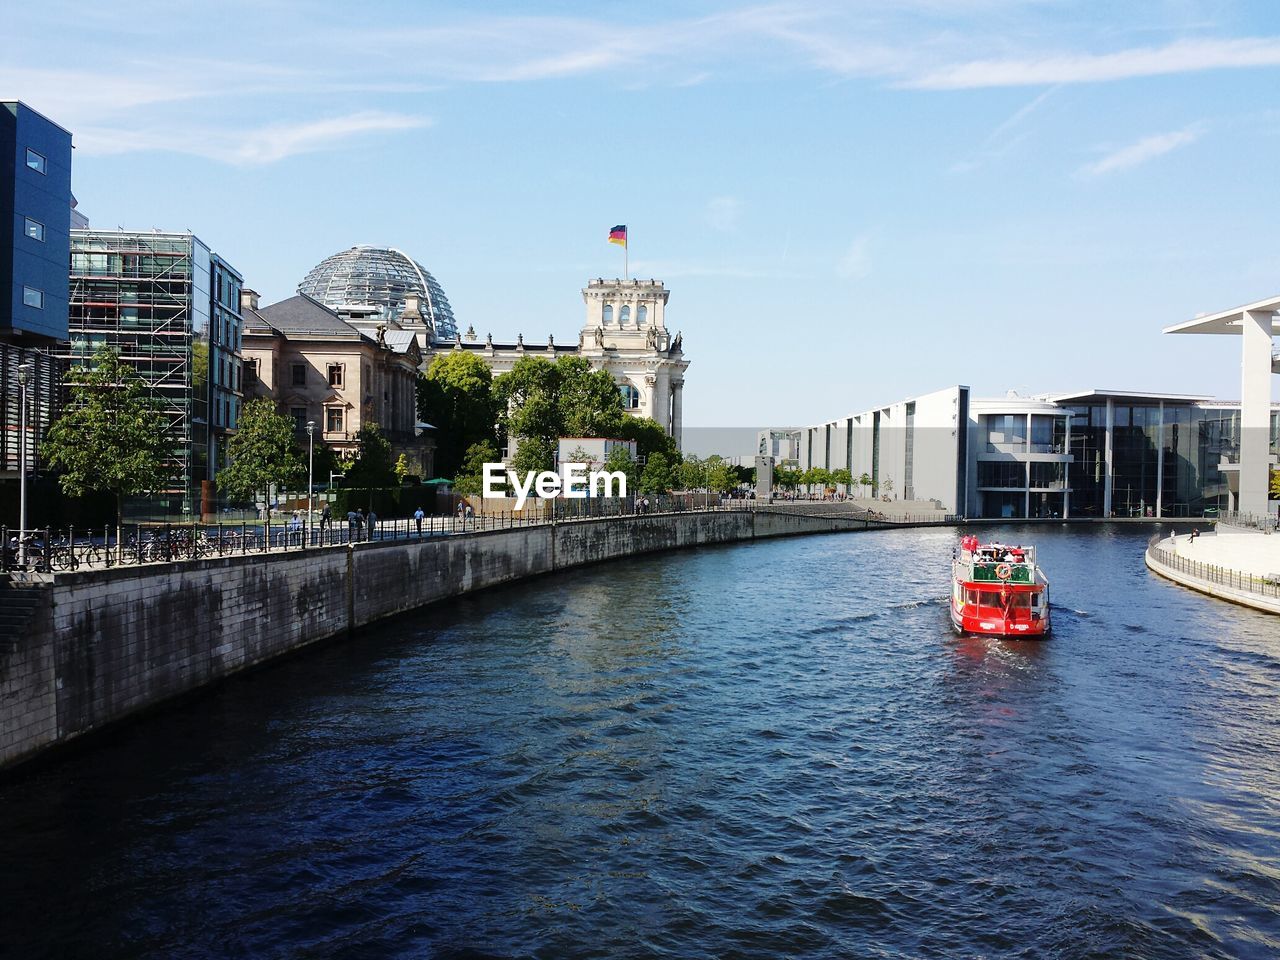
(998, 590)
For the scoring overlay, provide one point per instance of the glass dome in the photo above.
(372, 282)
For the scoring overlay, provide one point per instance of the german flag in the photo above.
(618, 235)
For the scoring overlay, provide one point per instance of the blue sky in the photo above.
(850, 202)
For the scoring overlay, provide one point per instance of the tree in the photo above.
(455, 395)
(719, 475)
(843, 478)
(371, 465)
(620, 459)
(533, 454)
(786, 477)
(864, 481)
(261, 453)
(401, 468)
(526, 398)
(589, 402)
(650, 438)
(658, 476)
(693, 473)
(470, 479)
(539, 398)
(887, 485)
(113, 434)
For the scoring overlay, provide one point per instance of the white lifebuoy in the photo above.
(1004, 571)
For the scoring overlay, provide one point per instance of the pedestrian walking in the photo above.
(326, 520)
(373, 522)
(351, 525)
(360, 523)
(417, 519)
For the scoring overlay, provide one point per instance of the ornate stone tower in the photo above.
(626, 333)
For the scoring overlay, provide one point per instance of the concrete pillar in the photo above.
(1255, 412)
(1107, 473)
(677, 412)
(1160, 465)
(1066, 487)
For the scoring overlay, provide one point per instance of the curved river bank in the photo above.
(765, 750)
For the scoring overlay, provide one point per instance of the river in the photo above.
(764, 750)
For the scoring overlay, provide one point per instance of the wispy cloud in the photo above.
(1005, 136)
(253, 147)
(1142, 151)
(1183, 56)
(855, 264)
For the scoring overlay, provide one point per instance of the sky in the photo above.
(851, 202)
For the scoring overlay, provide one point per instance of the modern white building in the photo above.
(1255, 324)
(1094, 453)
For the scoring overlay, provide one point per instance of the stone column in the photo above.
(677, 412)
(1255, 412)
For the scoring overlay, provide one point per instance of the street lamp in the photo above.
(24, 372)
(311, 459)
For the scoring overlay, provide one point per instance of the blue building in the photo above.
(35, 211)
(35, 222)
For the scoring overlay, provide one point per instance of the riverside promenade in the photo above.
(1236, 562)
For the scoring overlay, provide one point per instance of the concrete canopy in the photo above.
(1230, 322)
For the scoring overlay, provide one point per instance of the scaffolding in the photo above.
(145, 296)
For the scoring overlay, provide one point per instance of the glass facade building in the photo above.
(371, 283)
(171, 308)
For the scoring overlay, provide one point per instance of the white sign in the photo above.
(573, 482)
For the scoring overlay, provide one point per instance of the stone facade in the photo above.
(319, 368)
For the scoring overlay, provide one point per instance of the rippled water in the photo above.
(767, 750)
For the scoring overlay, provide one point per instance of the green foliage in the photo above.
(401, 467)
(372, 465)
(470, 479)
(658, 476)
(456, 396)
(693, 473)
(620, 458)
(842, 477)
(261, 453)
(534, 453)
(719, 476)
(864, 481)
(113, 435)
(786, 478)
(526, 398)
(566, 398)
(650, 438)
(589, 400)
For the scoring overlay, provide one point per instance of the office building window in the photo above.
(36, 161)
(34, 229)
(299, 415)
(299, 374)
(251, 367)
(335, 375)
(33, 297)
(630, 397)
(333, 420)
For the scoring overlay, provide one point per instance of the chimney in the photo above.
(412, 307)
(248, 299)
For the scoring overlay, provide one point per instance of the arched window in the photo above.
(608, 314)
(624, 316)
(630, 397)
(642, 315)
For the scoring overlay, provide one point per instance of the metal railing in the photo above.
(1210, 573)
(1249, 521)
(50, 550)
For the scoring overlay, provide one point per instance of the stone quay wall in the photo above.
(105, 644)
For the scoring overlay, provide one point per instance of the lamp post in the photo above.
(24, 372)
(311, 459)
